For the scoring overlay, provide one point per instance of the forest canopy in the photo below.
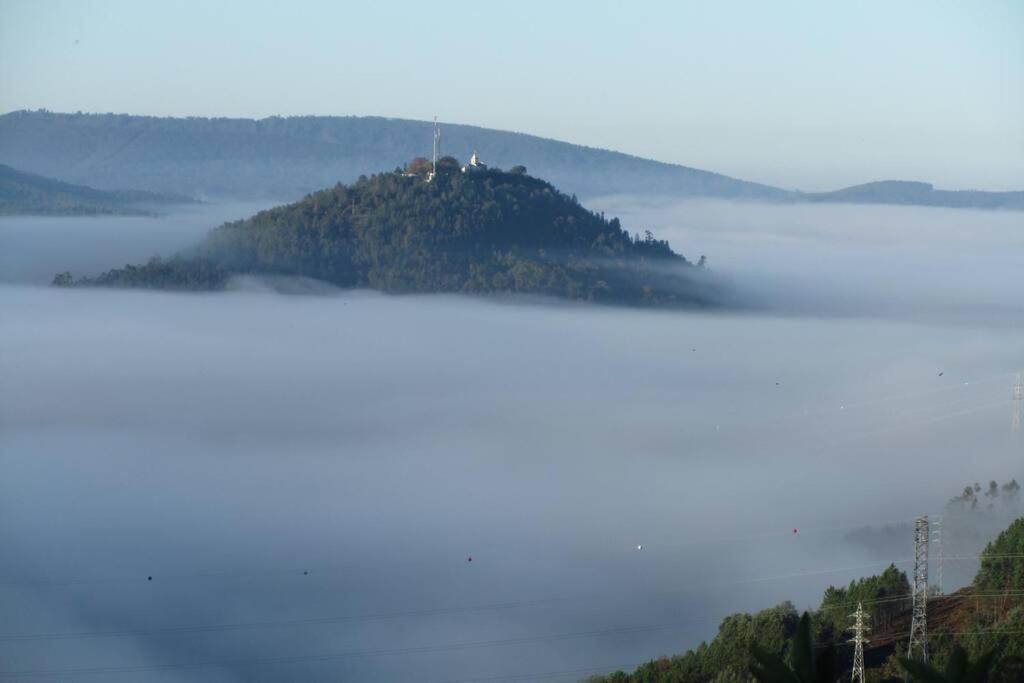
(482, 232)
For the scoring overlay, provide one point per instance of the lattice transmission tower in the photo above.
(919, 619)
(937, 538)
(859, 640)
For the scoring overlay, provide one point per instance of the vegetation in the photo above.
(285, 157)
(959, 669)
(291, 156)
(485, 232)
(884, 598)
(1002, 562)
(973, 495)
(29, 194)
(804, 664)
(977, 634)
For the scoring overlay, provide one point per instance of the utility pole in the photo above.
(919, 619)
(859, 641)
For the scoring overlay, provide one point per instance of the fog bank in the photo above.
(305, 472)
(848, 259)
(227, 444)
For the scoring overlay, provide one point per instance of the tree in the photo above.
(802, 666)
(448, 165)
(1001, 568)
(518, 170)
(959, 669)
(419, 166)
(63, 280)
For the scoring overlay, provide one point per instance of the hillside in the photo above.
(29, 194)
(283, 158)
(987, 615)
(485, 232)
(920, 194)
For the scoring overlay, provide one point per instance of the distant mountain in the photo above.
(480, 232)
(285, 158)
(922, 194)
(30, 194)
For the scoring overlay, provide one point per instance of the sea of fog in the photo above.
(343, 485)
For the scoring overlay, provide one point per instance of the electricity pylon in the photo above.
(919, 619)
(859, 641)
(937, 537)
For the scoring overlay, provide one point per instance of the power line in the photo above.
(249, 661)
(201, 628)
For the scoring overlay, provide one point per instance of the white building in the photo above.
(474, 164)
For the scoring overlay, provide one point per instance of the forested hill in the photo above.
(481, 232)
(30, 194)
(985, 618)
(283, 158)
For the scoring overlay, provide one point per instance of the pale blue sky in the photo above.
(799, 94)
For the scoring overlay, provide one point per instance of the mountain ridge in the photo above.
(288, 157)
(23, 193)
(285, 158)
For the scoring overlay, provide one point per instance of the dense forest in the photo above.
(29, 194)
(985, 618)
(482, 232)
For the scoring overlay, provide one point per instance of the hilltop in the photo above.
(484, 232)
(30, 194)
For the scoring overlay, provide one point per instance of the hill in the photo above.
(485, 232)
(29, 194)
(288, 157)
(987, 615)
(284, 158)
(920, 194)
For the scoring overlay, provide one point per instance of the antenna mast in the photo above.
(919, 623)
(859, 641)
(437, 151)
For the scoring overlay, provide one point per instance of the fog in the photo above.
(305, 476)
(867, 260)
(35, 248)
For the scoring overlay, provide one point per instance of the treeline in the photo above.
(482, 232)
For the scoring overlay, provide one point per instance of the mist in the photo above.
(305, 476)
(35, 248)
(902, 262)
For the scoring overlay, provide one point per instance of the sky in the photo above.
(797, 94)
